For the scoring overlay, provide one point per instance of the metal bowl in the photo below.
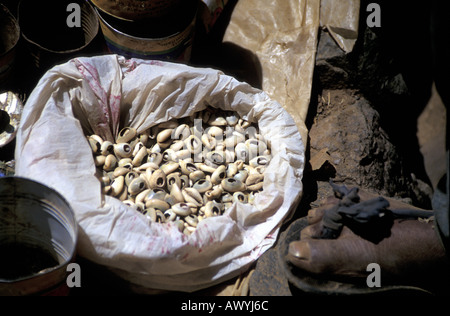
(11, 108)
(38, 237)
(9, 37)
(133, 10)
(47, 37)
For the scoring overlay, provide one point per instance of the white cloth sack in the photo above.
(104, 93)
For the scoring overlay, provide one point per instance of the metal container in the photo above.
(133, 10)
(164, 38)
(38, 236)
(48, 37)
(9, 37)
(11, 108)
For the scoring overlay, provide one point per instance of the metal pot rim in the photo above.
(87, 5)
(70, 213)
(5, 10)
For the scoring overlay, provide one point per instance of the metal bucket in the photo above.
(48, 37)
(133, 10)
(164, 38)
(9, 37)
(11, 108)
(38, 236)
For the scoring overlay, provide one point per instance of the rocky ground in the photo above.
(366, 129)
(366, 139)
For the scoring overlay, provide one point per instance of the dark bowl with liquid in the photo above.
(50, 38)
(38, 237)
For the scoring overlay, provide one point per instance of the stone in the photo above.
(362, 120)
(348, 128)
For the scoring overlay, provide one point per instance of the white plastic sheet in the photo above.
(283, 36)
(104, 93)
(341, 18)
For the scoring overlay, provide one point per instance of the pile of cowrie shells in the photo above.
(184, 170)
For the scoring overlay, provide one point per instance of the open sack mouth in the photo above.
(141, 111)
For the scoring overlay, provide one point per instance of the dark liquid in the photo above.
(18, 260)
(46, 25)
(157, 27)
